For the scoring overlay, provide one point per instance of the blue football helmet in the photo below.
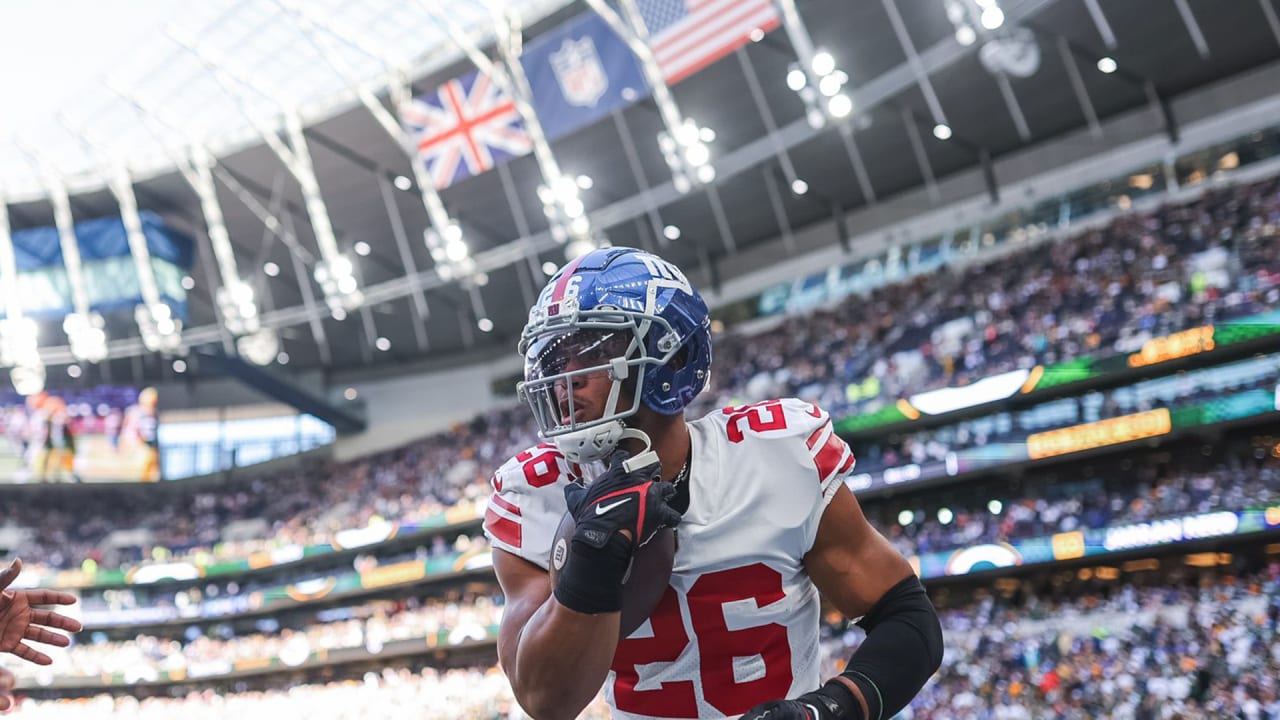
(623, 312)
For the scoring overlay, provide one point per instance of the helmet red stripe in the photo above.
(558, 294)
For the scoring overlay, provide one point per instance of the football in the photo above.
(645, 582)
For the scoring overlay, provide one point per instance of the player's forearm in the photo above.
(562, 659)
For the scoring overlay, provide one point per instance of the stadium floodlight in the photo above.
(815, 76)
(687, 155)
(1107, 65)
(508, 75)
(294, 154)
(683, 142)
(161, 331)
(336, 277)
(20, 352)
(86, 336)
(972, 18)
(260, 348)
(19, 335)
(83, 326)
(325, 35)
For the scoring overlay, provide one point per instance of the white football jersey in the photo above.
(738, 624)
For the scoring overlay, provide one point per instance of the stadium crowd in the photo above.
(1154, 653)
(1201, 646)
(1100, 290)
(1134, 489)
(463, 619)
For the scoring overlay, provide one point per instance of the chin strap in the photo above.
(643, 458)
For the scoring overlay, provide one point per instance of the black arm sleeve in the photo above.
(902, 651)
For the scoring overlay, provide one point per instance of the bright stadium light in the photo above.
(942, 131)
(403, 183)
(382, 344)
(271, 269)
(992, 17)
(687, 155)
(1107, 65)
(796, 79)
(995, 507)
(259, 348)
(799, 187)
(485, 324)
(823, 63)
(906, 517)
(337, 281)
(188, 282)
(671, 232)
(19, 351)
(549, 268)
(840, 106)
(86, 336)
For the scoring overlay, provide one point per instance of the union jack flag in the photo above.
(465, 127)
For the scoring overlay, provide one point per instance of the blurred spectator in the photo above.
(1134, 489)
(463, 619)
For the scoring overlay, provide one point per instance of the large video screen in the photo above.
(101, 434)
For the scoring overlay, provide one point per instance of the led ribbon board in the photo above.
(1097, 542)
(1061, 376)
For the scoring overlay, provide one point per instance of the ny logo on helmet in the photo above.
(665, 274)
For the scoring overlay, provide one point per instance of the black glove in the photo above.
(821, 704)
(636, 502)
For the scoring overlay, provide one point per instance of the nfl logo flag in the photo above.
(578, 73)
(465, 127)
(688, 35)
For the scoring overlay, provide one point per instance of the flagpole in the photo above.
(444, 239)
(682, 143)
(335, 272)
(559, 194)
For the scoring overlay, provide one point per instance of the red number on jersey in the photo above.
(718, 646)
(707, 599)
(541, 469)
(755, 417)
(673, 699)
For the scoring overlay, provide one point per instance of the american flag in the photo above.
(688, 35)
(465, 127)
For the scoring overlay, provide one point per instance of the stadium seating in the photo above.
(1116, 286)
(1118, 650)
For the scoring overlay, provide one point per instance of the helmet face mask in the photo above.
(596, 343)
(619, 314)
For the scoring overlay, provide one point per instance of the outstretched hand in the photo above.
(22, 621)
(7, 681)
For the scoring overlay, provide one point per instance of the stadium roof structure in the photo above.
(925, 107)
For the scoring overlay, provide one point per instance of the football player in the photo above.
(616, 347)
